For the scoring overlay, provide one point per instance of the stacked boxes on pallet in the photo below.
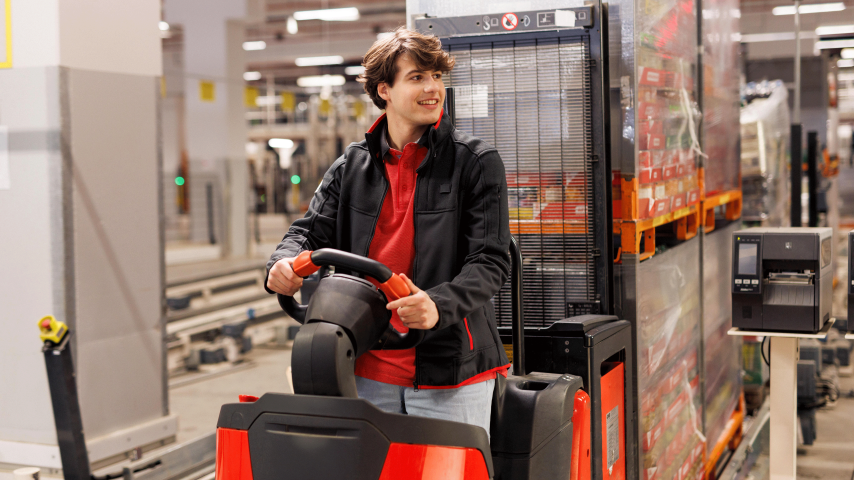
(659, 146)
(662, 107)
(659, 157)
(668, 342)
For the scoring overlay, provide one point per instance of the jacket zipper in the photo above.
(430, 151)
(377, 218)
(471, 340)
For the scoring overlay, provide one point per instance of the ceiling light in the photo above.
(321, 81)
(350, 14)
(814, 8)
(251, 76)
(259, 45)
(313, 61)
(384, 35)
(292, 26)
(281, 143)
(848, 53)
(833, 44)
(848, 63)
(834, 30)
(355, 70)
(163, 26)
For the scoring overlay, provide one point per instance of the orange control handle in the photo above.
(303, 265)
(395, 288)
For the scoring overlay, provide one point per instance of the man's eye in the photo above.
(417, 77)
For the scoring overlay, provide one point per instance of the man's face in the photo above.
(417, 96)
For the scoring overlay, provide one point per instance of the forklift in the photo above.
(570, 421)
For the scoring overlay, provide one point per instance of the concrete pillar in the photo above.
(81, 236)
(216, 126)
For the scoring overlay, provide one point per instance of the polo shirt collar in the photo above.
(384, 146)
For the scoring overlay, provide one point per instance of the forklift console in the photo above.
(542, 424)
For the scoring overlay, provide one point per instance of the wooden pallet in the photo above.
(731, 200)
(729, 439)
(685, 223)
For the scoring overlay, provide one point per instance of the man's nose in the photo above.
(432, 85)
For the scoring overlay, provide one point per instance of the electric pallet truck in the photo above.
(543, 425)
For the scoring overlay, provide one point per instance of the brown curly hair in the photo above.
(381, 60)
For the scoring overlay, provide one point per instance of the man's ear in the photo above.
(383, 91)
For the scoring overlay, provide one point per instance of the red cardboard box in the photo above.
(650, 175)
(651, 77)
(651, 142)
(693, 196)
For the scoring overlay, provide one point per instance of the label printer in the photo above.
(782, 279)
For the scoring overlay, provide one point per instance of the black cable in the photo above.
(762, 351)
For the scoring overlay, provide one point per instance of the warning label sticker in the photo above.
(612, 436)
(471, 101)
(509, 21)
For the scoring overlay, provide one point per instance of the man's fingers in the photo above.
(412, 287)
(402, 302)
(280, 284)
(286, 269)
(285, 281)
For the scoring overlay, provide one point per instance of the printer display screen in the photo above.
(747, 258)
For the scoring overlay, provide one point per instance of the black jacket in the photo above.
(462, 237)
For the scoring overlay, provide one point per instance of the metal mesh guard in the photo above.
(532, 100)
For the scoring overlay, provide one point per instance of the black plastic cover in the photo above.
(531, 425)
(578, 325)
(353, 304)
(530, 410)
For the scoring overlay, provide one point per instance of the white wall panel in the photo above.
(111, 36)
(35, 33)
(30, 262)
(116, 249)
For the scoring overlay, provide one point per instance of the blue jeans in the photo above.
(470, 404)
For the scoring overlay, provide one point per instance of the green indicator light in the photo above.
(295, 179)
(179, 181)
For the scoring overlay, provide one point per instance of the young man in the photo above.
(430, 202)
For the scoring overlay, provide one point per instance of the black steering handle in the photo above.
(391, 285)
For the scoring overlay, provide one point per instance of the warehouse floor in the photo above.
(831, 457)
(197, 404)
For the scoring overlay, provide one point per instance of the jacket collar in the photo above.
(435, 135)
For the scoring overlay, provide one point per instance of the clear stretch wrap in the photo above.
(765, 153)
(721, 352)
(720, 94)
(672, 442)
(668, 348)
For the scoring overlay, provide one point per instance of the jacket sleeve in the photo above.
(317, 228)
(484, 243)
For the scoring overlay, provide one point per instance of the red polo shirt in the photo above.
(394, 245)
